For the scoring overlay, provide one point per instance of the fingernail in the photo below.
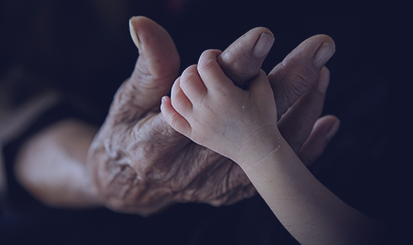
(324, 53)
(263, 45)
(333, 130)
(323, 79)
(134, 35)
(164, 100)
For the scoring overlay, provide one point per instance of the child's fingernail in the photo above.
(164, 100)
(263, 45)
(324, 53)
(134, 35)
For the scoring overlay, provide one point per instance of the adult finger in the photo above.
(155, 71)
(296, 124)
(298, 72)
(324, 130)
(243, 59)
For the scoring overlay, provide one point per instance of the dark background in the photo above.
(83, 49)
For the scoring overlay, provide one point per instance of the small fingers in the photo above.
(192, 84)
(210, 71)
(173, 118)
(179, 100)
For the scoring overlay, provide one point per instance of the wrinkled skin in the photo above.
(140, 164)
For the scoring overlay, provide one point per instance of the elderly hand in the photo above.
(140, 164)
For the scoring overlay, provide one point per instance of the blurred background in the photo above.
(82, 51)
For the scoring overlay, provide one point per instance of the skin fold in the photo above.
(135, 162)
(209, 109)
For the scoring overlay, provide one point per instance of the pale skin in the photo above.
(240, 124)
(135, 162)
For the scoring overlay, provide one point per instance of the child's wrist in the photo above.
(258, 146)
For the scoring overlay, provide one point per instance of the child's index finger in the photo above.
(210, 71)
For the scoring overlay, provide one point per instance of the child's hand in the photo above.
(208, 108)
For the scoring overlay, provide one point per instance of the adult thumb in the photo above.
(154, 73)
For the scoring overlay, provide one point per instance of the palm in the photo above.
(140, 164)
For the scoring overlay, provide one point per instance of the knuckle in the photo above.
(188, 77)
(205, 65)
(294, 86)
(190, 70)
(173, 120)
(291, 92)
(303, 79)
(241, 75)
(208, 60)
